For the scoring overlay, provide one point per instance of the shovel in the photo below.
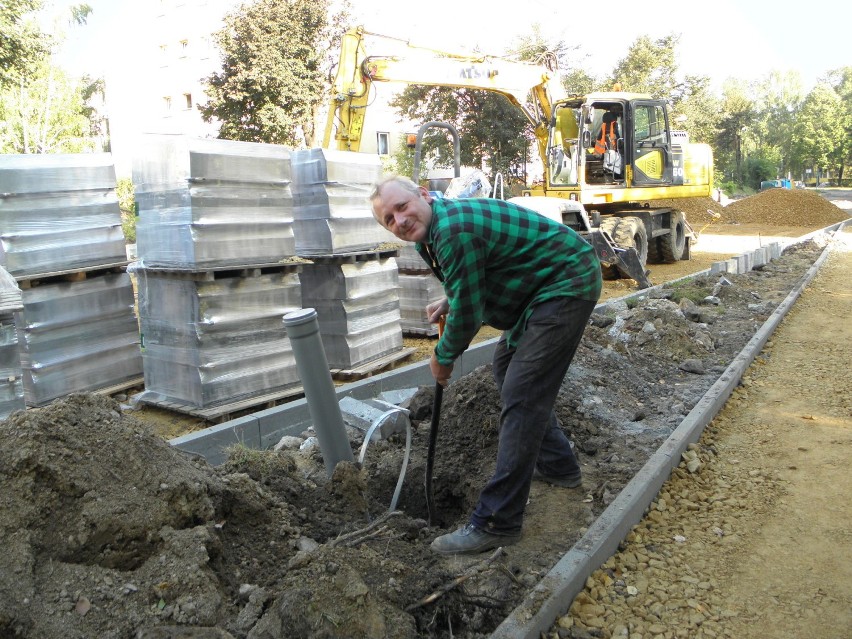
(433, 438)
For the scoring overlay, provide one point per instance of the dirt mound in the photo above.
(109, 532)
(780, 207)
(784, 207)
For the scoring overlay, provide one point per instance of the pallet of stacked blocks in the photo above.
(77, 332)
(357, 304)
(206, 202)
(215, 338)
(59, 213)
(332, 212)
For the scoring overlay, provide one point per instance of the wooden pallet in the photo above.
(224, 272)
(370, 368)
(351, 258)
(224, 412)
(117, 388)
(70, 275)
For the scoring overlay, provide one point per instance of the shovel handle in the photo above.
(433, 436)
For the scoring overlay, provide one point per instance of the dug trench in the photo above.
(110, 532)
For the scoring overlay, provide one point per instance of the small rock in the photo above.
(288, 442)
(694, 366)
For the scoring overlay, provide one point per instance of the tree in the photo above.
(272, 79)
(44, 113)
(821, 131)
(649, 67)
(780, 98)
(22, 43)
(700, 110)
(733, 139)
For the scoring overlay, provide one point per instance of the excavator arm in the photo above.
(530, 87)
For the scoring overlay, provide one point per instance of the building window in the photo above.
(383, 143)
(187, 100)
(167, 103)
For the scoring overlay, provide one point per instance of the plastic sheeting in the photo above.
(11, 375)
(213, 342)
(58, 213)
(416, 291)
(205, 203)
(332, 210)
(77, 336)
(357, 308)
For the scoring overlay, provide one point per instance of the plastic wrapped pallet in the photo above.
(409, 259)
(205, 203)
(59, 213)
(78, 336)
(357, 308)
(11, 375)
(332, 213)
(416, 291)
(212, 342)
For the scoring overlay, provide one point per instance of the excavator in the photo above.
(607, 156)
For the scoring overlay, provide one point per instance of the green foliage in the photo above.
(649, 67)
(127, 205)
(401, 162)
(44, 113)
(493, 132)
(758, 169)
(272, 79)
(22, 43)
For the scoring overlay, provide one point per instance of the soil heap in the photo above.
(784, 207)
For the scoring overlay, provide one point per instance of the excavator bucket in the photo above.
(626, 260)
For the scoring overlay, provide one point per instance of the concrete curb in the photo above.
(553, 594)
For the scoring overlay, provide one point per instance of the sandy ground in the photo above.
(768, 557)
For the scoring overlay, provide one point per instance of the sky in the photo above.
(745, 39)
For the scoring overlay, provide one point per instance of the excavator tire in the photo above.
(610, 224)
(631, 232)
(673, 244)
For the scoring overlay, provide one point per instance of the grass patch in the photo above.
(257, 464)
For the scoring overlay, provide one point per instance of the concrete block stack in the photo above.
(418, 287)
(353, 280)
(60, 226)
(357, 307)
(11, 375)
(332, 215)
(217, 271)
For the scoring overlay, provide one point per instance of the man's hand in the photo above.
(436, 309)
(440, 372)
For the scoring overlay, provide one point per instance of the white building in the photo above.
(161, 90)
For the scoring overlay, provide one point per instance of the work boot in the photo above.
(470, 539)
(564, 481)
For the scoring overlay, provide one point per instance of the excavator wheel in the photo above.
(673, 245)
(610, 224)
(631, 232)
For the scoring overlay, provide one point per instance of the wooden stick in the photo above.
(355, 533)
(455, 583)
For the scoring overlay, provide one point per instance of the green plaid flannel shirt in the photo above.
(497, 261)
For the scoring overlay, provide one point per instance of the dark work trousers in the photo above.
(529, 378)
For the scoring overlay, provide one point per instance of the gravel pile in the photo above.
(784, 207)
(781, 207)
